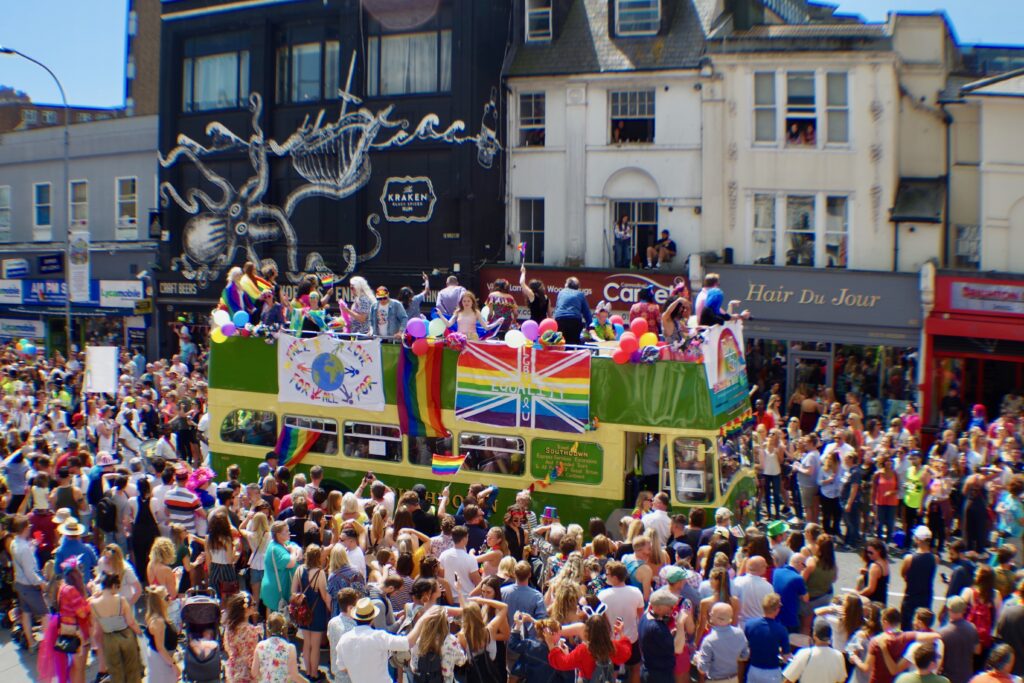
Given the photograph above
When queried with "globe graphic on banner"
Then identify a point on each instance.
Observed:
(328, 372)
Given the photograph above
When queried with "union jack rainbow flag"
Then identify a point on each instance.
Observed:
(506, 387)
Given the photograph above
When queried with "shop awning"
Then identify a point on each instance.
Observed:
(857, 332)
(919, 200)
(978, 327)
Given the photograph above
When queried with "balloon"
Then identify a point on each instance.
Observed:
(635, 356)
(628, 342)
(619, 330)
(420, 347)
(23, 342)
(216, 336)
(28, 350)
(229, 329)
(416, 328)
(638, 326)
(649, 339)
(515, 339)
(617, 320)
(436, 327)
(531, 330)
(221, 317)
(548, 324)
(244, 332)
(240, 318)
(621, 356)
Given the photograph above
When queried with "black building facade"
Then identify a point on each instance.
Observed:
(340, 137)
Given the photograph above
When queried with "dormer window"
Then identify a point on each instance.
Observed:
(538, 20)
(637, 17)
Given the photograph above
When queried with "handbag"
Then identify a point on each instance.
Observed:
(68, 644)
(298, 606)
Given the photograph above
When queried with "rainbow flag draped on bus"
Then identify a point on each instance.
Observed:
(293, 443)
(419, 392)
(536, 388)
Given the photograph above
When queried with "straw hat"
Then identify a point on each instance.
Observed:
(366, 610)
(63, 515)
(72, 527)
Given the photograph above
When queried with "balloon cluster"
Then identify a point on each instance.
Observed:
(531, 332)
(225, 325)
(26, 348)
(422, 333)
(638, 344)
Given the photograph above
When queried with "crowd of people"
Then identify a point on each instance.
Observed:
(109, 559)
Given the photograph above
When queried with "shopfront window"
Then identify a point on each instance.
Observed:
(694, 471)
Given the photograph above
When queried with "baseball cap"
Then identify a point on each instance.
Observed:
(382, 292)
(922, 533)
(672, 574)
(664, 598)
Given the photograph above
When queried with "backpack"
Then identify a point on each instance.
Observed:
(106, 515)
(980, 614)
(428, 669)
(480, 669)
(604, 672)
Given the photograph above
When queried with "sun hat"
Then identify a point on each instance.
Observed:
(63, 515)
(366, 610)
(71, 527)
(777, 528)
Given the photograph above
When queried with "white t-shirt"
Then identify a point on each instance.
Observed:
(750, 590)
(623, 602)
(458, 564)
(816, 665)
(357, 559)
(659, 521)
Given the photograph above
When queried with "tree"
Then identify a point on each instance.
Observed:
(9, 94)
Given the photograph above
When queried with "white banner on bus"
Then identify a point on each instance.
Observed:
(101, 369)
(324, 371)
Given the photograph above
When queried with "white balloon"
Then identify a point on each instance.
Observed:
(221, 317)
(515, 339)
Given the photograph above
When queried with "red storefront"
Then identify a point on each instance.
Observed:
(974, 340)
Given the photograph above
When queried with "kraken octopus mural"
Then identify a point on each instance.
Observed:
(333, 158)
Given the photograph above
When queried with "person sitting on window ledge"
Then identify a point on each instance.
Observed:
(662, 251)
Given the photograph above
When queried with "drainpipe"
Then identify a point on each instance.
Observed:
(896, 247)
(947, 119)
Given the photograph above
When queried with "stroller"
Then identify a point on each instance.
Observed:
(200, 616)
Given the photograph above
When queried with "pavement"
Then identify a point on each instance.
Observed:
(18, 666)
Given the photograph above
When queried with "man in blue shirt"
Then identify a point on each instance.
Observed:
(789, 584)
(522, 597)
(572, 313)
(768, 640)
(71, 545)
(657, 645)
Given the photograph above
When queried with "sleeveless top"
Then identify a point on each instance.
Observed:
(170, 637)
(886, 490)
(881, 592)
(539, 308)
(820, 581)
(115, 623)
(913, 489)
(64, 497)
(920, 576)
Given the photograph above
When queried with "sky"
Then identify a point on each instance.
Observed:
(83, 41)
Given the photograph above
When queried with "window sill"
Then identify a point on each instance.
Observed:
(802, 149)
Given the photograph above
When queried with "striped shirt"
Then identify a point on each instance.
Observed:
(181, 506)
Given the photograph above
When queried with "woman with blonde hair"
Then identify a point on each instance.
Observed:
(112, 561)
(497, 548)
(161, 667)
(720, 592)
(256, 530)
(479, 637)
(362, 304)
(275, 659)
(437, 647)
(280, 561)
(378, 527)
(342, 575)
(563, 601)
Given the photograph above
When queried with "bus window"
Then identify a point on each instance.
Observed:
(733, 455)
(423, 448)
(489, 453)
(250, 427)
(694, 470)
(372, 441)
(327, 442)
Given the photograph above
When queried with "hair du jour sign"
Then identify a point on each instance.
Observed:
(621, 290)
(408, 200)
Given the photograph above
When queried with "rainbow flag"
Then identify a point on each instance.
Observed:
(522, 251)
(234, 298)
(328, 280)
(446, 465)
(419, 392)
(536, 388)
(262, 284)
(293, 443)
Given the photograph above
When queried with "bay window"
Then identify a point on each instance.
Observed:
(409, 63)
(814, 231)
(808, 120)
(764, 107)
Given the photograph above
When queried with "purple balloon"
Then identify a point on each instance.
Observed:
(416, 328)
(635, 356)
(229, 329)
(531, 330)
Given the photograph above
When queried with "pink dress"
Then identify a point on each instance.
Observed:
(240, 644)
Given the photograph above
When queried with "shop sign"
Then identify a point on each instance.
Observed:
(408, 199)
(580, 462)
(14, 267)
(179, 289)
(50, 264)
(45, 292)
(143, 307)
(10, 292)
(120, 293)
(989, 297)
(824, 295)
(621, 290)
(12, 328)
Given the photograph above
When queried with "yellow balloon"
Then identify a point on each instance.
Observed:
(216, 336)
(648, 339)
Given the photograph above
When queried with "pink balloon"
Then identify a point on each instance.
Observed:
(621, 356)
(628, 342)
(531, 330)
(617, 320)
(548, 324)
(638, 326)
(420, 347)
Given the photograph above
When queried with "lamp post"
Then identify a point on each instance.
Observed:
(67, 207)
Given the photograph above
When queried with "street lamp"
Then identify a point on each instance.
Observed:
(67, 208)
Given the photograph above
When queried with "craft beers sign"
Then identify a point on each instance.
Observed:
(408, 199)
